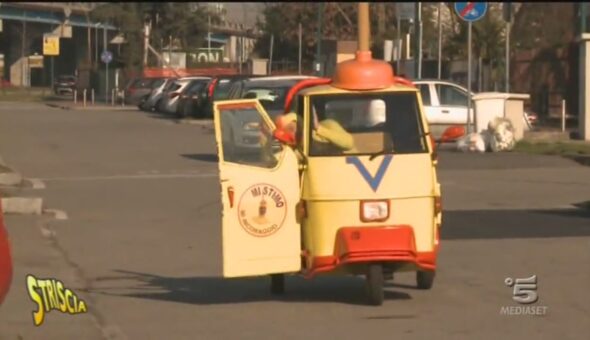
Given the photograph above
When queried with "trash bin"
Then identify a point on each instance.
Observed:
(489, 105)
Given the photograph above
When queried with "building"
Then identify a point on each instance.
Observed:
(24, 25)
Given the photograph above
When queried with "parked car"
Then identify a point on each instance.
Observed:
(139, 88)
(271, 92)
(218, 89)
(64, 84)
(156, 94)
(445, 104)
(191, 98)
(169, 101)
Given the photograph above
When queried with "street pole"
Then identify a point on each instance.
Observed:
(52, 72)
(106, 66)
(419, 40)
(398, 42)
(208, 36)
(272, 39)
(319, 38)
(96, 45)
(507, 57)
(439, 42)
(300, 43)
(469, 78)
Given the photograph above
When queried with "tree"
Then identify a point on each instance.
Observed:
(182, 21)
(339, 21)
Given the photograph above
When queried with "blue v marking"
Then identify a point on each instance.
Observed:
(374, 182)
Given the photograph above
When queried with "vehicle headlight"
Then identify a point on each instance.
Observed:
(252, 126)
(374, 211)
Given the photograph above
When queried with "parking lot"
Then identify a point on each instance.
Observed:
(141, 242)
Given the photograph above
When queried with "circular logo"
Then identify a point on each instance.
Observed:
(262, 210)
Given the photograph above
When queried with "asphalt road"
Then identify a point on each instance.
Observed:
(141, 243)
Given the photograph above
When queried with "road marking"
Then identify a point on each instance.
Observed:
(36, 183)
(57, 214)
(140, 176)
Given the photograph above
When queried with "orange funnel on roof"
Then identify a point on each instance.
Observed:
(363, 72)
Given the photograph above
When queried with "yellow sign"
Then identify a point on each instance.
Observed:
(50, 44)
(36, 61)
(50, 294)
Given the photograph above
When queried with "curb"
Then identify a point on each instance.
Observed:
(10, 178)
(22, 205)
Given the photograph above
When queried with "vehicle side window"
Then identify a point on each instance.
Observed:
(246, 138)
(451, 96)
(425, 93)
(298, 105)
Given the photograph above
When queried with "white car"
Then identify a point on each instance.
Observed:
(445, 104)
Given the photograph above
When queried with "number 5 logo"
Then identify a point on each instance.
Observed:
(525, 290)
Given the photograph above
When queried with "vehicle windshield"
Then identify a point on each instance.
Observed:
(366, 124)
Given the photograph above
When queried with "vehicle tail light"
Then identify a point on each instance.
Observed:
(374, 211)
(174, 94)
(212, 87)
(437, 205)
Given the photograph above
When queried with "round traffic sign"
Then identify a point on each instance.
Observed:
(471, 11)
(106, 57)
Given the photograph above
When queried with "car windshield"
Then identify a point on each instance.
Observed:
(366, 124)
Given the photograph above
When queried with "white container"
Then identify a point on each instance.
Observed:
(489, 105)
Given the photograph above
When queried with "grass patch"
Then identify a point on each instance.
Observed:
(571, 148)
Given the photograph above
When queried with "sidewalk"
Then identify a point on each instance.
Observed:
(89, 106)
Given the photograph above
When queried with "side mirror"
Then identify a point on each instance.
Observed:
(284, 136)
(452, 133)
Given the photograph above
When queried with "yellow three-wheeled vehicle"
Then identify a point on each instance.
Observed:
(344, 183)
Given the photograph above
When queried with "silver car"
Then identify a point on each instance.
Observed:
(169, 100)
(156, 95)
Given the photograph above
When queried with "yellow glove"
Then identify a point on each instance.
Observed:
(330, 131)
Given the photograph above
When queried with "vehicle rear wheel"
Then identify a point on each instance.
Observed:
(374, 285)
(425, 279)
(277, 284)
(157, 105)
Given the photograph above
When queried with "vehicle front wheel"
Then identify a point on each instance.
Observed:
(277, 284)
(374, 285)
(425, 279)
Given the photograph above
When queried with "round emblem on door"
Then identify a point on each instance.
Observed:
(262, 210)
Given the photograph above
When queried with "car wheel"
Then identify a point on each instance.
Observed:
(374, 285)
(277, 284)
(425, 279)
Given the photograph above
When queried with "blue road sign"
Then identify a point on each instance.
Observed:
(106, 57)
(471, 11)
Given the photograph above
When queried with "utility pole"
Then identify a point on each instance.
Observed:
(439, 41)
(208, 36)
(300, 47)
(399, 39)
(418, 41)
(146, 42)
(507, 14)
(319, 69)
(106, 65)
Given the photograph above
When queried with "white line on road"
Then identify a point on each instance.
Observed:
(141, 176)
(36, 183)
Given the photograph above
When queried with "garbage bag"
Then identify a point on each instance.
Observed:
(502, 135)
(473, 142)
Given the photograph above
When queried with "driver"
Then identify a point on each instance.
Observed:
(329, 134)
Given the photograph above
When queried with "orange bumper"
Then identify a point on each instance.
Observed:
(379, 244)
(5, 260)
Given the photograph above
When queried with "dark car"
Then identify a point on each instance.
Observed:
(190, 101)
(218, 89)
(64, 84)
(270, 91)
(139, 89)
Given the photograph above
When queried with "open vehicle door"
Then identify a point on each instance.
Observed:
(259, 193)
